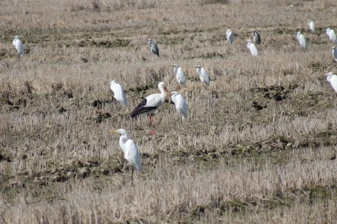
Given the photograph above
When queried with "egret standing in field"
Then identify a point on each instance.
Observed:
(312, 26)
(154, 47)
(180, 75)
(130, 150)
(332, 78)
(229, 36)
(251, 46)
(18, 46)
(151, 103)
(334, 53)
(181, 105)
(203, 75)
(331, 34)
(256, 37)
(301, 40)
(118, 91)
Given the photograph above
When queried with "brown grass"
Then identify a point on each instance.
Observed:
(259, 143)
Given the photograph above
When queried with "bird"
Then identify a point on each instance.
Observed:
(180, 75)
(312, 26)
(229, 36)
(151, 103)
(256, 37)
(154, 47)
(180, 104)
(334, 53)
(118, 91)
(301, 40)
(18, 46)
(203, 75)
(130, 150)
(332, 78)
(251, 46)
(331, 34)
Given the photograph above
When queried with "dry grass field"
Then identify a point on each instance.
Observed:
(259, 145)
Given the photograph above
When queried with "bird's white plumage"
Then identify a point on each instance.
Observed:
(301, 40)
(157, 99)
(251, 46)
(334, 53)
(203, 75)
(18, 46)
(118, 91)
(312, 25)
(229, 36)
(131, 152)
(180, 75)
(180, 104)
(331, 34)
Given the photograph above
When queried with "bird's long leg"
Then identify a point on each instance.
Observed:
(181, 119)
(150, 123)
(132, 175)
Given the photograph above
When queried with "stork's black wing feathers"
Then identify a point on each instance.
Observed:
(140, 109)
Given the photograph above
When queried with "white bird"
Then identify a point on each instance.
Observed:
(203, 75)
(331, 34)
(301, 40)
(334, 53)
(151, 103)
(251, 46)
(118, 91)
(154, 47)
(312, 25)
(181, 105)
(332, 78)
(18, 46)
(256, 37)
(229, 36)
(130, 150)
(180, 75)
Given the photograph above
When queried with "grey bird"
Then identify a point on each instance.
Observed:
(256, 37)
(154, 47)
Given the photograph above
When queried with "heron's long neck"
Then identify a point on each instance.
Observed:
(122, 141)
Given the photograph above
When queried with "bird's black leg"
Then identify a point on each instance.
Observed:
(132, 175)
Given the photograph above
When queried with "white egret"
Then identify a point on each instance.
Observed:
(118, 91)
(18, 46)
(331, 34)
(256, 37)
(203, 75)
(181, 105)
(301, 40)
(151, 103)
(312, 25)
(334, 53)
(332, 78)
(154, 47)
(130, 150)
(180, 75)
(251, 46)
(229, 36)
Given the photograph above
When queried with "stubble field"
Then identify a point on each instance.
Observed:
(258, 145)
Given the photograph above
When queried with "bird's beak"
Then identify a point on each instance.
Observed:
(167, 90)
(113, 131)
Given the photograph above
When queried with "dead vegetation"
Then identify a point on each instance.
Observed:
(259, 143)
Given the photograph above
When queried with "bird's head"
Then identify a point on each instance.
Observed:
(174, 93)
(113, 82)
(175, 65)
(198, 66)
(333, 47)
(162, 85)
(249, 40)
(120, 131)
(16, 37)
(327, 29)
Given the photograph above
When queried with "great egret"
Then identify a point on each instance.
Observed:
(152, 102)
(312, 25)
(118, 91)
(332, 78)
(331, 34)
(154, 47)
(256, 37)
(203, 75)
(18, 46)
(251, 46)
(229, 36)
(334, 53)
(301, 40)
(180, 75)
(181, 105)
(130, 150)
